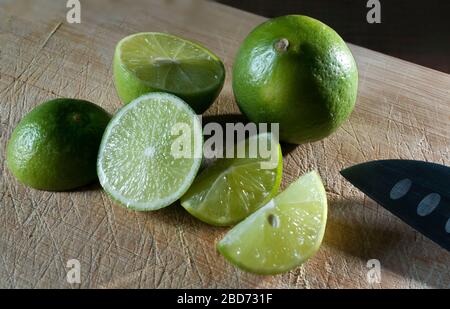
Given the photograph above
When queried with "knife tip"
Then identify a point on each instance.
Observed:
(344, 172)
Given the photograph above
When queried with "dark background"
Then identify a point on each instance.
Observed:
(417, 31)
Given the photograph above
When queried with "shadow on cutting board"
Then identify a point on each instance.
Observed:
(356, 228)
(223, 119)
(361, 235)
(196, 243)
(94, 186)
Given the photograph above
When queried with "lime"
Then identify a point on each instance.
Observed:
(54, 147)
(153, 62)
(298, 72)
(232, 188)
(150, 152)
(282, 234)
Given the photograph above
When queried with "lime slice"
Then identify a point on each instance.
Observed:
(231, 189)
(150, 152)
(149, 62)
(282, 234)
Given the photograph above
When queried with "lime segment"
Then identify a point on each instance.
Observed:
(148, 62)
(137, 164)
(232, 188)
(282, 234)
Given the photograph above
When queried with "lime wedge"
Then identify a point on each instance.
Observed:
(231, 189)
(140, 163)
(153, 62)
(282, 234)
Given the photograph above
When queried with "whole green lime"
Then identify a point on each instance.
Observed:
(298, 72)
(55, 146)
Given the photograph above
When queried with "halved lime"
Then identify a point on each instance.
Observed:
(282, 234)
(150, 152)
(152, 62)
(232, 188)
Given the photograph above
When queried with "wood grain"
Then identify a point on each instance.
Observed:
(403, 111)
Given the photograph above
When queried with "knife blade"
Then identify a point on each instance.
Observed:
(417, 192)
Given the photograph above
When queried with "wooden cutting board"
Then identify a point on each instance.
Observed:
(403, 111)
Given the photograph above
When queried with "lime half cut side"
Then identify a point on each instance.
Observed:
(233, 188)
(151, 152)
(159, 62)
(284, 233)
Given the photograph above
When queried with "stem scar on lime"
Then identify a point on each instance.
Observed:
(282, 45)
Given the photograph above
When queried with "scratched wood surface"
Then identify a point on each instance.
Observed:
(403, 111)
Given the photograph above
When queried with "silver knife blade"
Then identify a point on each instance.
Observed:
(417, 192)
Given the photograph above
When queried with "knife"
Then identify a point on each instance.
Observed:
(415, 191)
